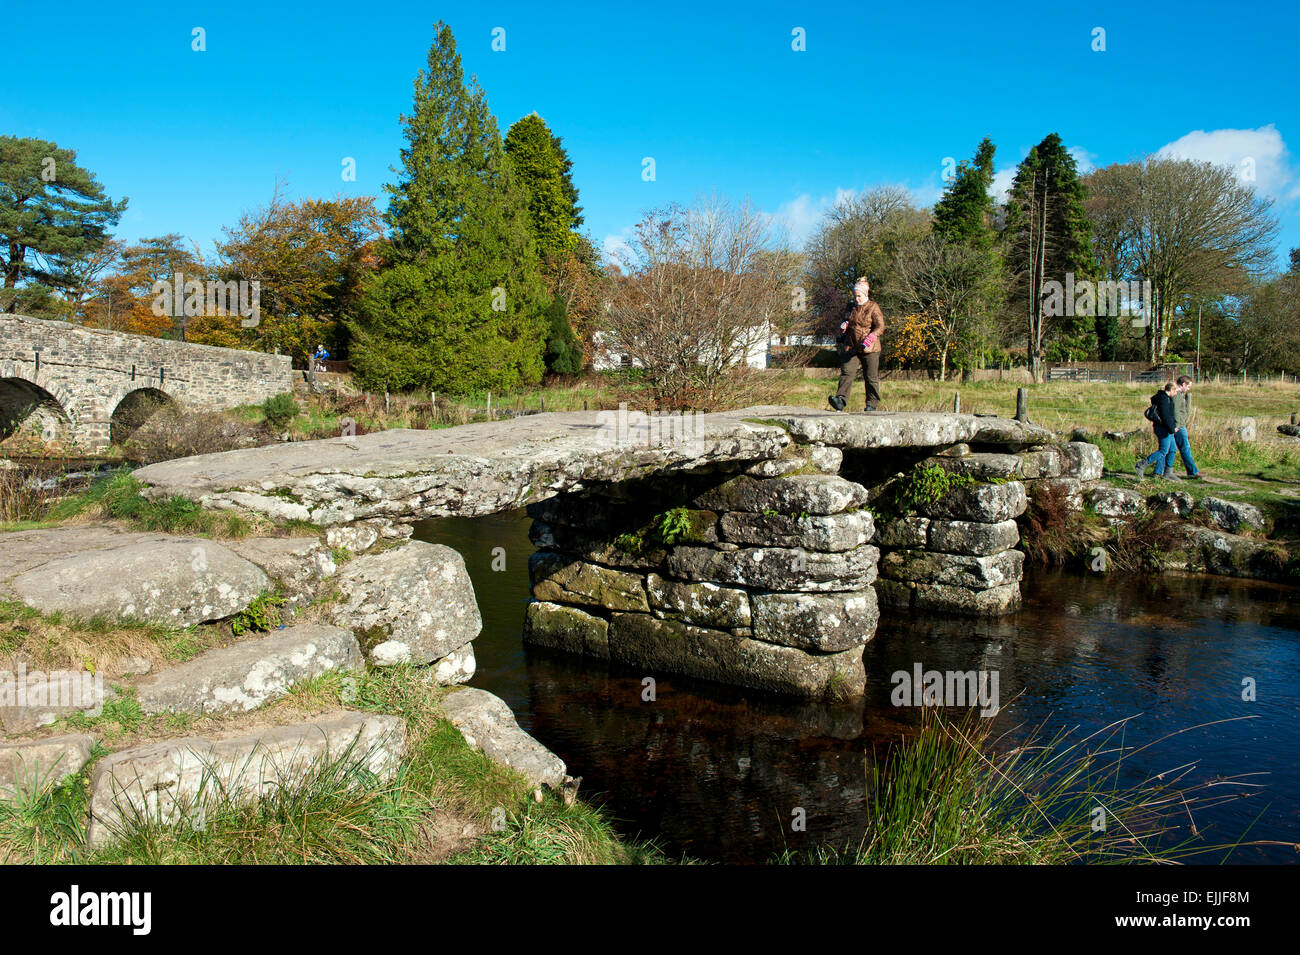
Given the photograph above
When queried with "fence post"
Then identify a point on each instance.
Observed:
(489, 405)
(956, 402)
(1022, 404)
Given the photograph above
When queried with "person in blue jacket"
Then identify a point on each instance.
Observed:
(1164, 423)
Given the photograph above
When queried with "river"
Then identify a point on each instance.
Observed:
(721, 774)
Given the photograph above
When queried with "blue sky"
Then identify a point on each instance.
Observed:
(714, 93)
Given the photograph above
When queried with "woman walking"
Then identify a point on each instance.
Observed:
(860, 347)
(1165, 425)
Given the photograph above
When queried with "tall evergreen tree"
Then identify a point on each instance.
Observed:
(965, 212)
(1046, 235)
(458, 303)
(540, 163)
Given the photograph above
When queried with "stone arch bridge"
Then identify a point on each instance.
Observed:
(72, 384)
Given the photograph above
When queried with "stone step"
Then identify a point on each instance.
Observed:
(490, 727)
(173, 581)
(30, 699)
(245, 675)
(179, 780)
(27, 768)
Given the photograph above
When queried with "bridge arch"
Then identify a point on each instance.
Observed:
(38, 407)
(130, 408)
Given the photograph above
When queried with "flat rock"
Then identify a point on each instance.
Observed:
(822, 622)
(964, 602)
(704, 604)
(30, 699)
(986, 503)
(947, 599)
(413, 603)
(28, 768)
(30, 549)
(466, 471)
(971, 537)
(798, 494)
(490, 727)
(981, 466)
(777, 568)
(557, 578)
(174, 581)
(823, 532)
(976, 573)
(245, 675)
(639, 640)
(175, 781)
(561, 627)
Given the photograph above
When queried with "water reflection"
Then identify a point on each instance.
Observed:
(721, 773)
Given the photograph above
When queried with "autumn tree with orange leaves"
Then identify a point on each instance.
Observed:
(309, 257)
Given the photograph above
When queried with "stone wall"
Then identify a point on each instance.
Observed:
(766, 581)
(958, 554)
(86, 373)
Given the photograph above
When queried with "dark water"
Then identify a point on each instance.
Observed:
(720, 773)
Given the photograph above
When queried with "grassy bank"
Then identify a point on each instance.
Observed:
(448, 803)
(955, 795)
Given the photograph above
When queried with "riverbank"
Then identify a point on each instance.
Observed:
(315, 578)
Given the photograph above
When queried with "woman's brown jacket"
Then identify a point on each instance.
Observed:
(865, 320)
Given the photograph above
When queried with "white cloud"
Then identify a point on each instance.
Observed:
(800, 216)
(1084, 161)
(1258, 153)
(1002, 180)
(614, 246)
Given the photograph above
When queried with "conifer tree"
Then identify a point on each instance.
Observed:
(458, 303)
(1046, 235)
(965, 213)
(552, 201)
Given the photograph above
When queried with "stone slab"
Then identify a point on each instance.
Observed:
(489, 726)
(178, 780)
(243, 676)
(670, 647)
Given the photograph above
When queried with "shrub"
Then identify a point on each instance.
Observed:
(279, 411)
(169, 435)
(262, 614)
(922, 486)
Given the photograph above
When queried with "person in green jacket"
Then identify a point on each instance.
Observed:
(1182, 411)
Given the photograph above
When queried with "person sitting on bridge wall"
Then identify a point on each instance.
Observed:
(859, 345)
(1182, 411)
